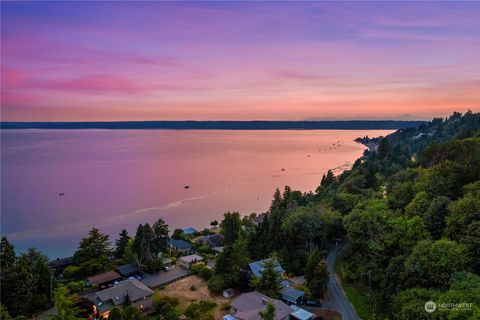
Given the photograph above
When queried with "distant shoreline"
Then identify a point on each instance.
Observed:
(220, 125)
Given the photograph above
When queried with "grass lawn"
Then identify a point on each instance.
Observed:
(359, 300)
(181, 289)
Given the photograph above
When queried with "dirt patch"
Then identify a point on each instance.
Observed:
(181, 290)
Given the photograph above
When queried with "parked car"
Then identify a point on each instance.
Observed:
(313, 303)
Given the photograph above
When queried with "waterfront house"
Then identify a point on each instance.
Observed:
(292, 296)
(103, 279)
(140, 296)
(248, 305)
(187, 261)
(189, 231)
(180, 246)
(256, 268)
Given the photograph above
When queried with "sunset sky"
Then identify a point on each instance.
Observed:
(230, 60)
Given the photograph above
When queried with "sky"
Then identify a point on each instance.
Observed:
(106, 61)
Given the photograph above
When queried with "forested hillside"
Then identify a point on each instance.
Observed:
(410, 211)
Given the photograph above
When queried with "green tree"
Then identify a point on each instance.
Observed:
(313, 260)
(132, 313)
(269, 282)
(431, 264)
(115, 314)
(66, 304)
(231, 227)
(121, 244)
(268, 313)
(166, 306)
(160, 236)
(178, 234)
(95, 246)
(318, 283)
(214, 224)
(201, 310)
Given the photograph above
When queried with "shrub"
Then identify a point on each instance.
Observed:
(216, 284)
(193, 288)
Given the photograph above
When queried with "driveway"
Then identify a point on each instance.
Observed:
(336, 298)
(163, 278)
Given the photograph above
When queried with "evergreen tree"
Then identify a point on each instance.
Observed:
(121, 244)
(231, 227)
(318, 282)
(268, 313)
(160, 237)
(94, 247)
(115, 314)
(269, 282)
(65, 304)
(277, 200)
(313, 260)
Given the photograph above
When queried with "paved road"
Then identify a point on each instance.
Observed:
(336, 298)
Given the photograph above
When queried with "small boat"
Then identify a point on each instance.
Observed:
(283, 169)
(61, 194)
(186, 187)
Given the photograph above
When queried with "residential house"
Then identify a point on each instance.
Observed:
(103, 279)
(256, 268)
(140, 296)
(292, 296)
(248, 305)
(180, 246)
(187, 261)
(189, 231)
(128, 270)
(214, 241)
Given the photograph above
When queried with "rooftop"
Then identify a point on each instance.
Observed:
(258, 266)
(103, 277)
(191, 258)
(301, 314)
(114, 296)
(248, 305)
(179, 244)
(291, 293)
(189, 230)
(127, 269)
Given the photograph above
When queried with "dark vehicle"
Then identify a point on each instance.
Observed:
(313, 303)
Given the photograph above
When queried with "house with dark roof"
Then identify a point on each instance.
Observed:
(180, 246)
(214, 241)
(103, 279)
(127, 270)
(248, 305)
(256, 268)
(140, 296)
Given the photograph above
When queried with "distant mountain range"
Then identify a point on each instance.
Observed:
(220, 125)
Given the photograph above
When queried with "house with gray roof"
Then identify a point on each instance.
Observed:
(248, 305)
(139, 295)
(256, 268)
(292, 296)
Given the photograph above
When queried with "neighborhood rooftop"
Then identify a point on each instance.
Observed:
(114, 296)
(189, 230)
(258, 266)
(180, 244)
(248, 305)
(103, 278)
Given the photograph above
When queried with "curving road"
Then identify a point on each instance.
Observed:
(336, 298)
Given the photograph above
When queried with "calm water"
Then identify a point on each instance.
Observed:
(118, 179)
